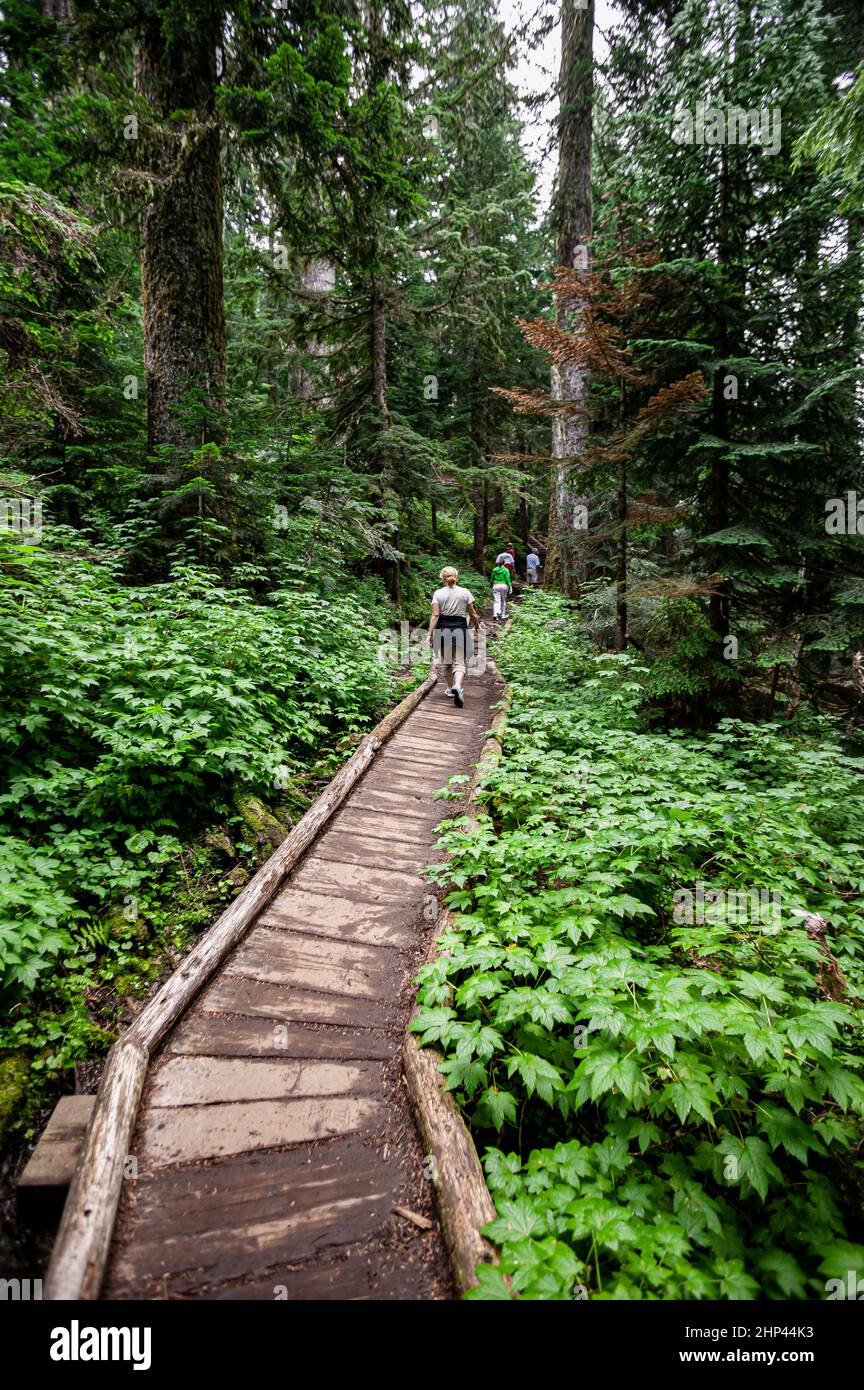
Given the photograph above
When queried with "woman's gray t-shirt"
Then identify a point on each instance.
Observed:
(453, 603)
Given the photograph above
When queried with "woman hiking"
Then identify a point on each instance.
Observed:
(502, 588)
(448, 631)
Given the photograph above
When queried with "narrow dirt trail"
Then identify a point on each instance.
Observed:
(275, 1136)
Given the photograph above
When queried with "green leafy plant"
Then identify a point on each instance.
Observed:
(679, 1100)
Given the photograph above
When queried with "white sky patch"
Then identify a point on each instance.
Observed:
(536, 73)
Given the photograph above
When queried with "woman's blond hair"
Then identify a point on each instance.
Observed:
(447, 571)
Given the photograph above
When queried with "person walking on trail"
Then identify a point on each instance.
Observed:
(533, 563)
(502, 588)
(452, 606)
(508, 558)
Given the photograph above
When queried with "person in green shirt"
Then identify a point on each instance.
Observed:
(502, 588)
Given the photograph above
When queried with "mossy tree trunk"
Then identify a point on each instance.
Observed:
(181, 225)
(565, 563)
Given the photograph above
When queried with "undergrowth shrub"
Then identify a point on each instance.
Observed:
(131, 718)
(669, 1103)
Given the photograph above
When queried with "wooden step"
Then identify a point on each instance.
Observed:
(42, 1187)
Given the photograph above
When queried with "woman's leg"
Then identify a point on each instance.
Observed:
(445, 669)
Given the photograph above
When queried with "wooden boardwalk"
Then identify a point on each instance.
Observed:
(275, 1137)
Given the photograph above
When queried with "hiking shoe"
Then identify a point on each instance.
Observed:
(457, 696)
(449, 693)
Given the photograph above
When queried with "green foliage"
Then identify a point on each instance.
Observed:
(131, 716)
(686, 667)
(677, 1098)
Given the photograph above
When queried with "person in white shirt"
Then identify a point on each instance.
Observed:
(452, 605)
(533, 563)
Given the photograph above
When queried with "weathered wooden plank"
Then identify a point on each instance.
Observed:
(315, 962)
(373, 853)
(419, 759)
(400, 779)
(293, 945)
(375, 884)
(255, 999)
(209, 1036)
(215, 1080)
(192, 1133)
(201, 1226)
(414, 806)
(324, 914)
(52, 1163)
(387, 845)
(420, 744)
(353, 1279)
(387, 825)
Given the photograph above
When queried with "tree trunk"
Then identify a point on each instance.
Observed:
(480, 490)
(621, 574)
(181, 229)
(718, 480)
(479, 555)
(571, 215)
(524, 525)
(379, 356)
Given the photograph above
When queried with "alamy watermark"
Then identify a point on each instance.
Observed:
(21, 516)
(844, 516)
(850, 1287)
(407, 646)
(703, 905)
(731, 125)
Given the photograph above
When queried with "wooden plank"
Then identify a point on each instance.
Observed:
(427, 774)
(81, 1248)
(201, 1226)
(373, 852)
(259, 1037)
(413, 809)
(193, 1133)
(388, 843)
(376, 885)
(349, 919)
(358, 1277)
(232, 994)
(314, 962)
(420, 744)
(52, 1163)
(387, 825)
(208, 1080)
(423, 766)
(410, 835)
